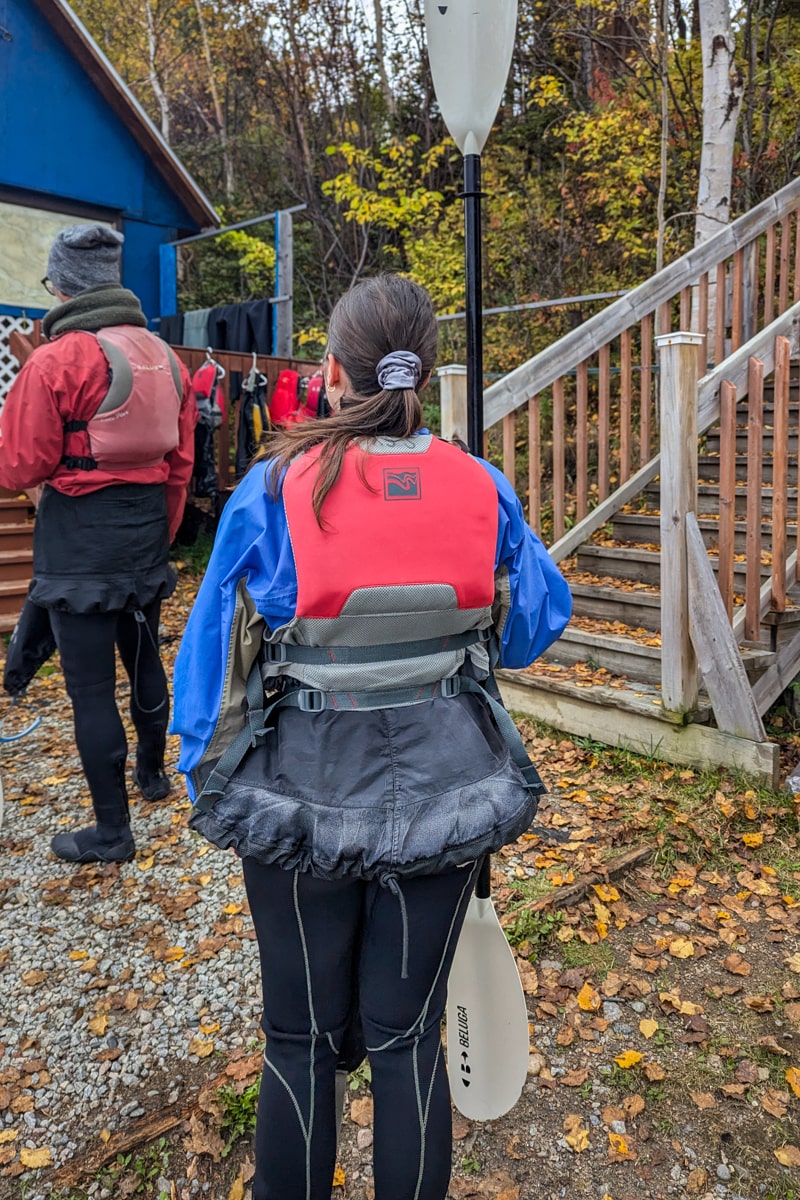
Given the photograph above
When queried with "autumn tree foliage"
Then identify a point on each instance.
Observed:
(330, 104)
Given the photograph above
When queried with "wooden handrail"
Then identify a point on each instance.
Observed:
(527, 380)
(735, 370)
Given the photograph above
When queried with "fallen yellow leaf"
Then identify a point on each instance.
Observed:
(35, 1158)
(588, 999)
(98, 1025)
(681, 948)
(752, 839)
(576, 1137)
(648, 1027)
(338, 1177)
(200, 1047)
(237, 1188)
(788, 1156)
(76, 954)
(8, 1135)
(605, 892)
(628, 1058)
(793, 962)
(703, 1099)
(173, 953)
(793, 1080)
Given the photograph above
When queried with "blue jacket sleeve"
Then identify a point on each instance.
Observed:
(541, 604)
(252, 543)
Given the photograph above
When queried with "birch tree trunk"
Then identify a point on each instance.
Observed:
(152, 70)
(219, 115)
(723, 87)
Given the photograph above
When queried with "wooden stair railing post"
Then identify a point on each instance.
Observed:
(453, 400)
(678, 357)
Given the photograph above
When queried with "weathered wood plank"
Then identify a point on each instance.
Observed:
(755, 424)
(646, 389)
(603, 421)
(780, 471)
(625, 413)
(510, 448)
(594, 713)
(678, 355)
(727, 494)
(559, 457)
(540, 372)
(715, 646)
(534, 463)
(582, 440)
(783, 266)
(769, 276)
(737, 313)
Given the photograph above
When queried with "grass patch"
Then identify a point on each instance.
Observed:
(238, 1113)
(600, 957)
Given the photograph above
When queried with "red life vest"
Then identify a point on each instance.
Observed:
(405, 557)
(136, 424)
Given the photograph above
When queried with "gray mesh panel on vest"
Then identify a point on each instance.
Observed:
(412, 445)
(382, 616)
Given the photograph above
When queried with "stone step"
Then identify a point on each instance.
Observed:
(631, 657)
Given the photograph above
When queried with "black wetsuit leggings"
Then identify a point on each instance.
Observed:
(331, 963)
(86, 643)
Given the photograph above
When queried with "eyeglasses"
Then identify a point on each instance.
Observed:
(47, 285)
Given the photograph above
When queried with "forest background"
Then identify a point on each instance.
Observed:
(330, 103)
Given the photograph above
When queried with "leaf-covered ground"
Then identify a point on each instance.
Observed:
(658, 948)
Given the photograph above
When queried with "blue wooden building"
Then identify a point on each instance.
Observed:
(75, 145)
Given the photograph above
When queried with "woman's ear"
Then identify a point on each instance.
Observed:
(332, 372)
(424, 383)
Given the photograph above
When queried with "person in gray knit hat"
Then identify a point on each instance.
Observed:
(85, 256)
(112, 497)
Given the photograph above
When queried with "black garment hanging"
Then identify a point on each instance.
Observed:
(170, 329)
(253, 420)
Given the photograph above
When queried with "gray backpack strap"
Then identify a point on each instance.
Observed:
(121, 384)
(283, 652)
(175, 368)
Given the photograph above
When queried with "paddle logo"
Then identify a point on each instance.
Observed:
(463, 1041)
(402, 485)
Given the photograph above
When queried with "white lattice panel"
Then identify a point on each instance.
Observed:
(8, 364)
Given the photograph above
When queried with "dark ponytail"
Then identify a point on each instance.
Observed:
(374, 318)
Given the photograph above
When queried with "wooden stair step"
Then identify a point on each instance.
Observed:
(629, 656)
(638, 565)
(708, 498)
(15, 564)
(16, 536)
(12, 596)
(646, 527)
(639, 608)
(15, 510)
(708, 468)
(620, 693)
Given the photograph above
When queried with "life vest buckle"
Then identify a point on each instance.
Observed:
(451, 686)
(275, 652)
(309, 700)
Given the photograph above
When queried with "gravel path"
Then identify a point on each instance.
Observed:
(116, 980)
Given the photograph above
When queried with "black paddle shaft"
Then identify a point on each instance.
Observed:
(483, 888)
(474, 280)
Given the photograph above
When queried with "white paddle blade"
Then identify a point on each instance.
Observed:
(487, 1019)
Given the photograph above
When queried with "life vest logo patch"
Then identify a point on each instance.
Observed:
(402, 485)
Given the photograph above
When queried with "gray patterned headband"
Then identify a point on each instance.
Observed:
(400, 369)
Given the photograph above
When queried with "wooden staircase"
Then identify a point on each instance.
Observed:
(683, 566)
(16, 556)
